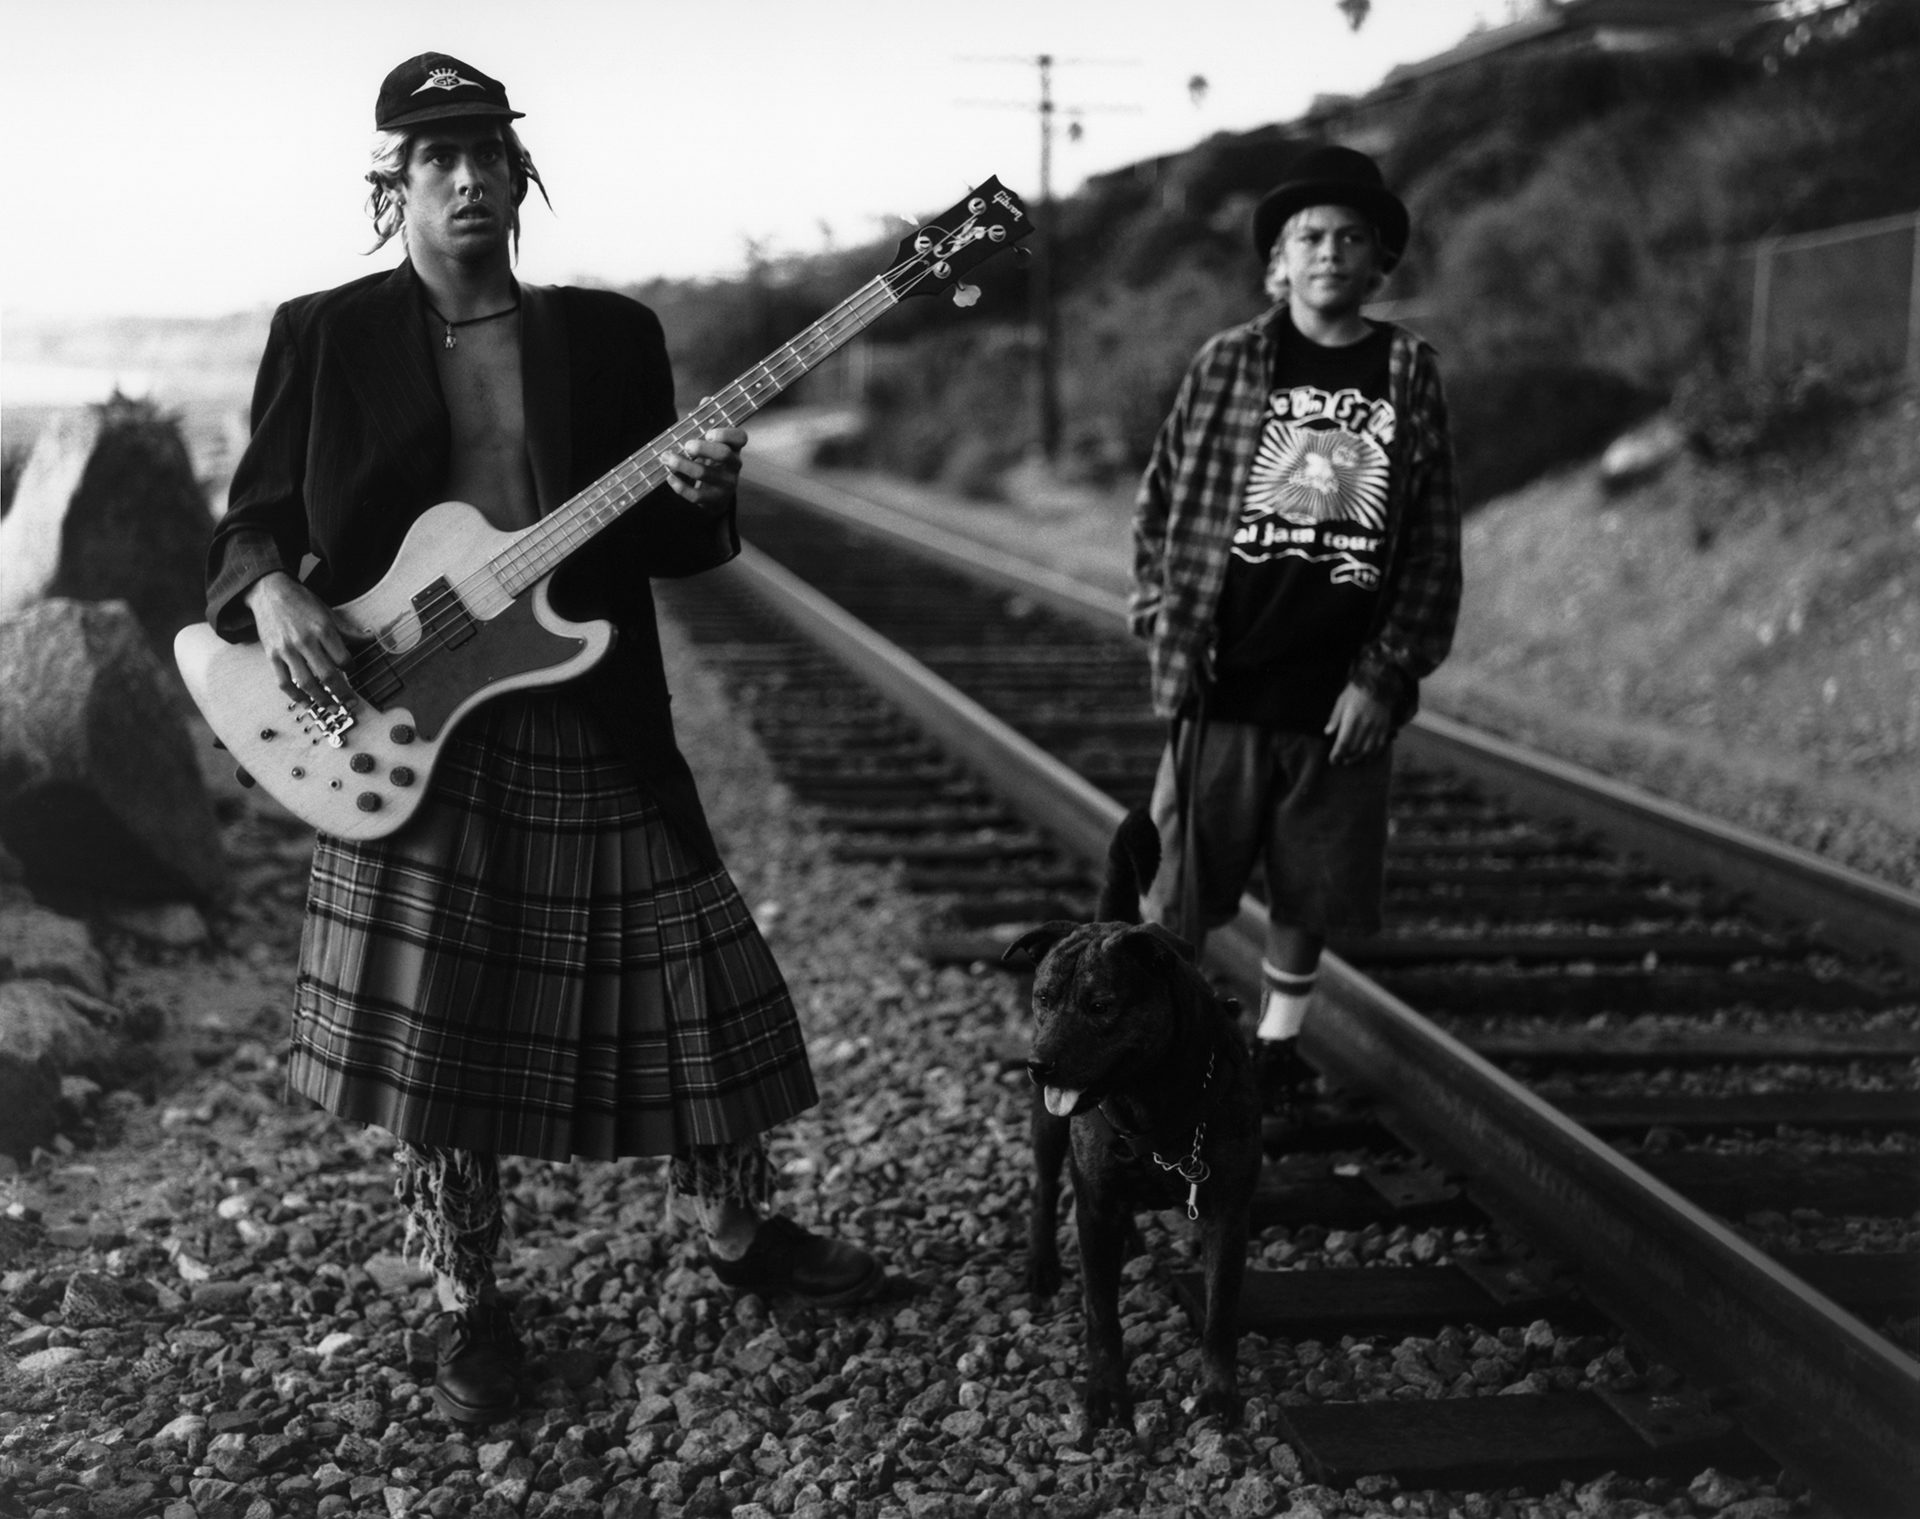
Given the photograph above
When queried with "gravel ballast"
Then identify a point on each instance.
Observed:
(209, 1315)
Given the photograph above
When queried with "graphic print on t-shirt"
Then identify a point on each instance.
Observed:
(1318, 488)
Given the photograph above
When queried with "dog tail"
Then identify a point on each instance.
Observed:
(1133, 859)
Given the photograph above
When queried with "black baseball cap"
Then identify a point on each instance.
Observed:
(435, 86)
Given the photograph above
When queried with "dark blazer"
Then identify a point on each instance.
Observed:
(350, 445)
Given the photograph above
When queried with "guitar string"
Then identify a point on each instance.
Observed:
(587, 514)
(607, 498)
(581, 518)
(566, 519)
(577, 520)
(790, 362)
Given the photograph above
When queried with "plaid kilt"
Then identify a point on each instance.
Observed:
(534, 965)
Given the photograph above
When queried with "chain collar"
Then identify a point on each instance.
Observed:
(1192, 1170)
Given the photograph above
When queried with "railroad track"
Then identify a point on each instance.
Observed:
(1685, 1076)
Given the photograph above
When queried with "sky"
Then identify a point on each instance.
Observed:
(199, 157)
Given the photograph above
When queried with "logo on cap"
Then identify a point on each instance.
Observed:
(446, 79)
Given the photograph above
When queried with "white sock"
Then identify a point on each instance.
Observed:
(1284, 1007)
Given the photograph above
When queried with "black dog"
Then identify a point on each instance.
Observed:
(1139, 1069)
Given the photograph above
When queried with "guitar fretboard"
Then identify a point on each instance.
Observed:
(541, 549)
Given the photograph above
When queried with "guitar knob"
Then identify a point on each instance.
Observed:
(361, 763)
(367, 801)
(401, 775)
(402, 733)
(242, 777)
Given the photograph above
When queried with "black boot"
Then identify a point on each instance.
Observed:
(1284, 1079)
(784, 1258)
(474, 1382)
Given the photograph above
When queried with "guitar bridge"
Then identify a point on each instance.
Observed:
(328, 720)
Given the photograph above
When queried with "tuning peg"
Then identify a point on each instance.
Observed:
(965, 295)
(1023, 255)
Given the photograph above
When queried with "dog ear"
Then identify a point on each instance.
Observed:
(1035, 942)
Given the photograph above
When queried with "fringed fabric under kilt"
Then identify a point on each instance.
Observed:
(535, 966)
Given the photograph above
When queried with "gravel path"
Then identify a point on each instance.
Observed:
(208, 1316)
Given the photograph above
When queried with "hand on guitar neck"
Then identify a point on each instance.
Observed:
(707, 470)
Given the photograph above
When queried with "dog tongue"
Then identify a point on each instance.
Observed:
(1061, 1101)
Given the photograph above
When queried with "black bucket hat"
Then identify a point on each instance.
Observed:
(1330, 175)
(434, 87)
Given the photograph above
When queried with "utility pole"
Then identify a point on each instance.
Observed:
(1046, 328)
(1040, 302)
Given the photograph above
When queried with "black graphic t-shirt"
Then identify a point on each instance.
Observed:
(1311, 540)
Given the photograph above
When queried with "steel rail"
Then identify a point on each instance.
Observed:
(1824, 1394)
(1850, 909)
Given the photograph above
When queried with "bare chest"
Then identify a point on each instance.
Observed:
(486, 407)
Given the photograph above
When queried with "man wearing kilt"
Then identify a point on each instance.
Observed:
(549, 959)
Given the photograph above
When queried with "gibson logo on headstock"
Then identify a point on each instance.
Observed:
(1005, 198)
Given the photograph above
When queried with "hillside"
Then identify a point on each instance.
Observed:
(1580, 254)
(1746, 638)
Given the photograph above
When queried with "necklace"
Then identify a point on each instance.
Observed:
(492, 316)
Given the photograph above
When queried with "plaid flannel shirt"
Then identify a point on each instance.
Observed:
(1191, 494)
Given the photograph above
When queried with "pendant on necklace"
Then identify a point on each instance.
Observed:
(450, 337)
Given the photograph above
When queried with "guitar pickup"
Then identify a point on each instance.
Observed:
(445, 621)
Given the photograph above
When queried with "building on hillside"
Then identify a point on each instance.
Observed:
(1559, 28)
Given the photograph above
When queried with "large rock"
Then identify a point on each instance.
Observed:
(42, 1025)
(108, 509)
(41, 945)
(100, 788)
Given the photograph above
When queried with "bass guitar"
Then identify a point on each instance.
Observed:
(463, 615)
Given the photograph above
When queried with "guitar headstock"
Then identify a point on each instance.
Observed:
(931, 259)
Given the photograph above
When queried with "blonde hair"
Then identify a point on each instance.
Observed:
(1275, 281)
(387, 173)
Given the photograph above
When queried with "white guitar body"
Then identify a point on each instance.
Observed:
(359, 769)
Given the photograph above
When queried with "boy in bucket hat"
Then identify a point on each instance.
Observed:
(1296, 575)
(549, 959)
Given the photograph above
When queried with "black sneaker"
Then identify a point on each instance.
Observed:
(474, 1380)
(1283, 1078)
(784, 1258)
